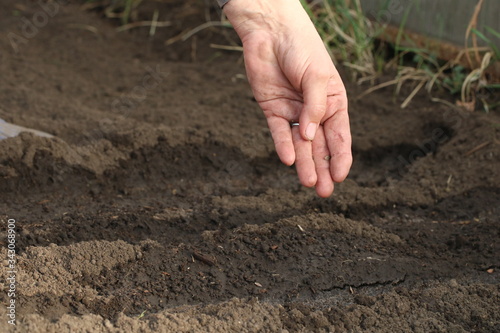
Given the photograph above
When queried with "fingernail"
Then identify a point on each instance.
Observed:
(311, 130)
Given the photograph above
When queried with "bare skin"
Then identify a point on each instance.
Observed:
(294, 80)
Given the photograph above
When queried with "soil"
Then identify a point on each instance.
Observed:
(162, 206)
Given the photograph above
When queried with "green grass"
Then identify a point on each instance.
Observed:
(347, 33)
(351, 37)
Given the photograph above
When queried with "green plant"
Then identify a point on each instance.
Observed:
(454, 81)
(491, 44)
(350, 37)
(347, 33)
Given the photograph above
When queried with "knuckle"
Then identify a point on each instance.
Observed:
(314, 111)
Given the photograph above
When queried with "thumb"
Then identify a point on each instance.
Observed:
(314, 88)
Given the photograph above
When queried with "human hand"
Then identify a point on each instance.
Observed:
(294, 80)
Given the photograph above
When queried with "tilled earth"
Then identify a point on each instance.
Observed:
(162, 206)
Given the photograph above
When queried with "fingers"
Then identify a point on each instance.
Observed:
(292, 148)
(282, 137)
(335, 141)
(321, 155)
(325, 160)
(338, 139)
(314, 89)
(304, 162)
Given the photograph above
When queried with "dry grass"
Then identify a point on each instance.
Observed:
(350, 37)
(347, 33)
(125, 10)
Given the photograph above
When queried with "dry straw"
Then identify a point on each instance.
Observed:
(350, 38)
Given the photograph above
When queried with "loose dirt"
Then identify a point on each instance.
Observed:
(162, 206)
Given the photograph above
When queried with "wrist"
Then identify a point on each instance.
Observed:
(272, 16)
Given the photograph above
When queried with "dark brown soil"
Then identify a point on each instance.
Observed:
(162, 206)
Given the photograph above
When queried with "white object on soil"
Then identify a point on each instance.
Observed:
(8, 130)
